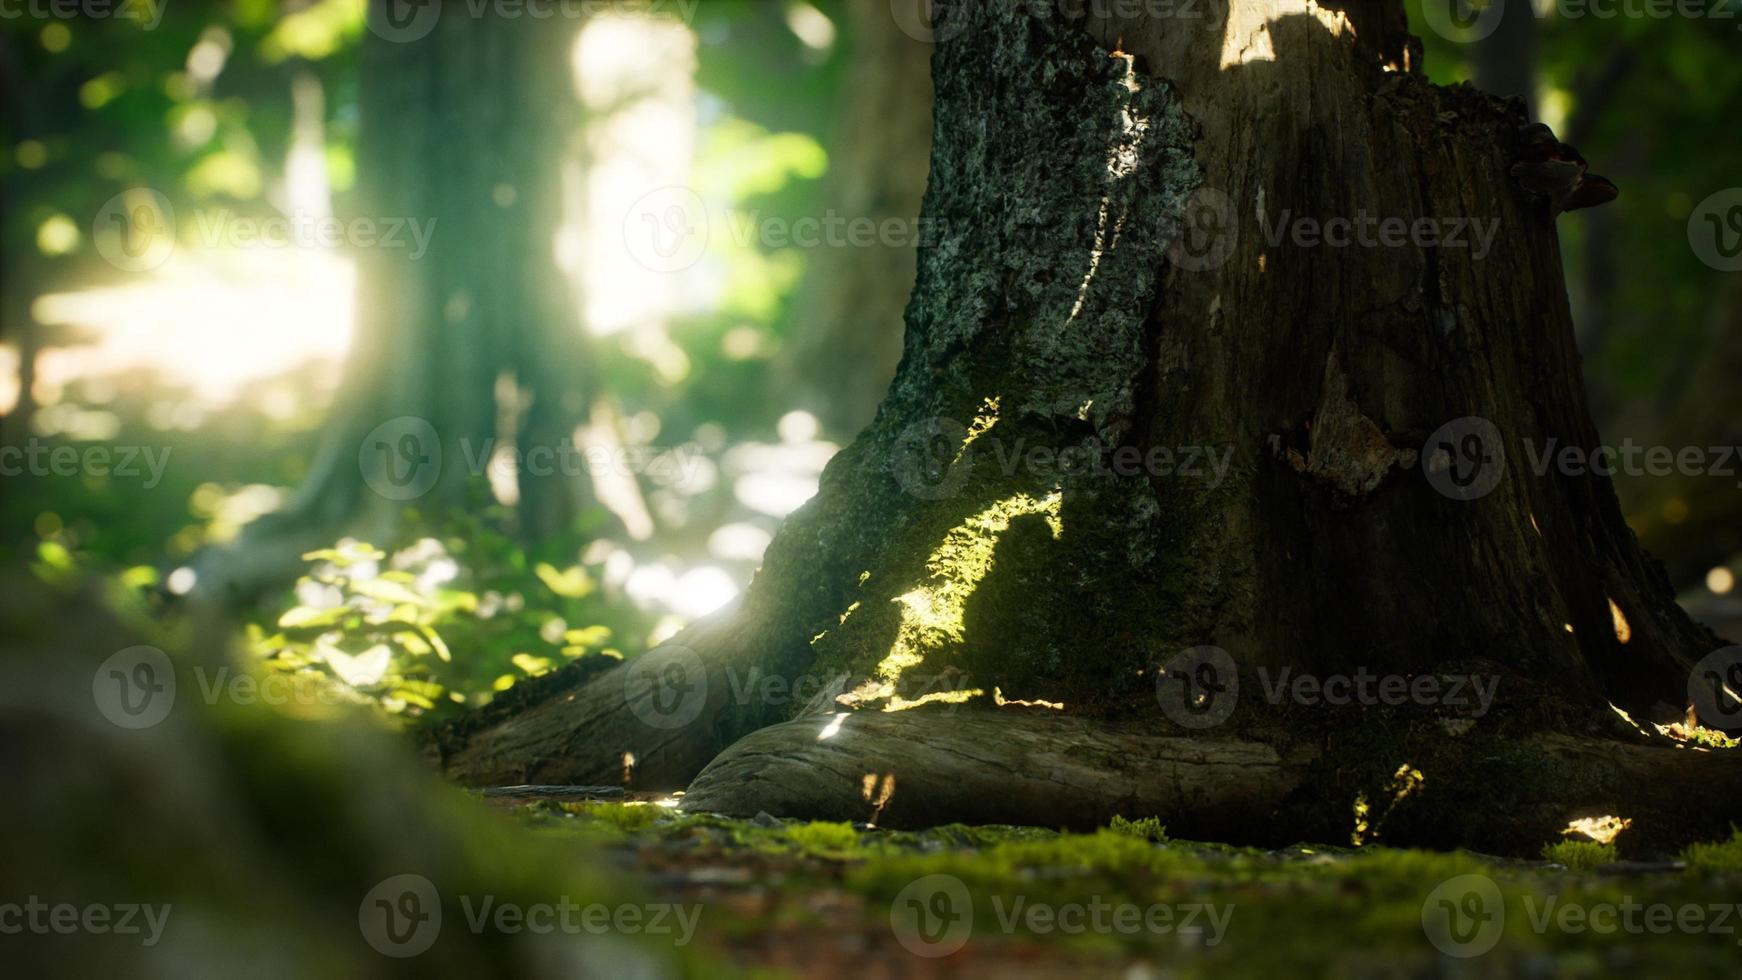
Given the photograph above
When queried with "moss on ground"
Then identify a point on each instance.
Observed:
(803, 896)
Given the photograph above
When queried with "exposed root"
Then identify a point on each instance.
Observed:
(924, 767)
(650, 724)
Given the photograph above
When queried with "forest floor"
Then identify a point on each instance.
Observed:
(780, 897)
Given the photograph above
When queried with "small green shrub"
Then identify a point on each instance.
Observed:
(1148, 828)
(1716, 857)
(1579, 855)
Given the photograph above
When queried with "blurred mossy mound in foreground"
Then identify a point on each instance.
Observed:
(267, 837)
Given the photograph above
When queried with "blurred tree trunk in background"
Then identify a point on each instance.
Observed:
(847, 318)
(1505, 61)
(1703, 407)
(1594, 280)
(475, 343)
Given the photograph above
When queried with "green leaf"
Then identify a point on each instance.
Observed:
(572, 583)
(304, 617)
(386, 591)
(588, 636)
(362, 670)
(532, 665)
(55, 555)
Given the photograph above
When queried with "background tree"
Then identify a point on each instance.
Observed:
(847, 318)
(475, 343)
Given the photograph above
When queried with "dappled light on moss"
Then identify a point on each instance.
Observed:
(931, 615)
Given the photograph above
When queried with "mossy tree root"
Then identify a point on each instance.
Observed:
(923, 767)
(627, 725)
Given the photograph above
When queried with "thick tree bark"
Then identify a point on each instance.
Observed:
(466, 133)
(1107, 277)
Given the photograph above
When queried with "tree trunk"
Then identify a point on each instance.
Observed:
(1105, 280)
(473, 343)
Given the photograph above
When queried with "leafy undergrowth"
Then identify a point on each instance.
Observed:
(804, 898)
